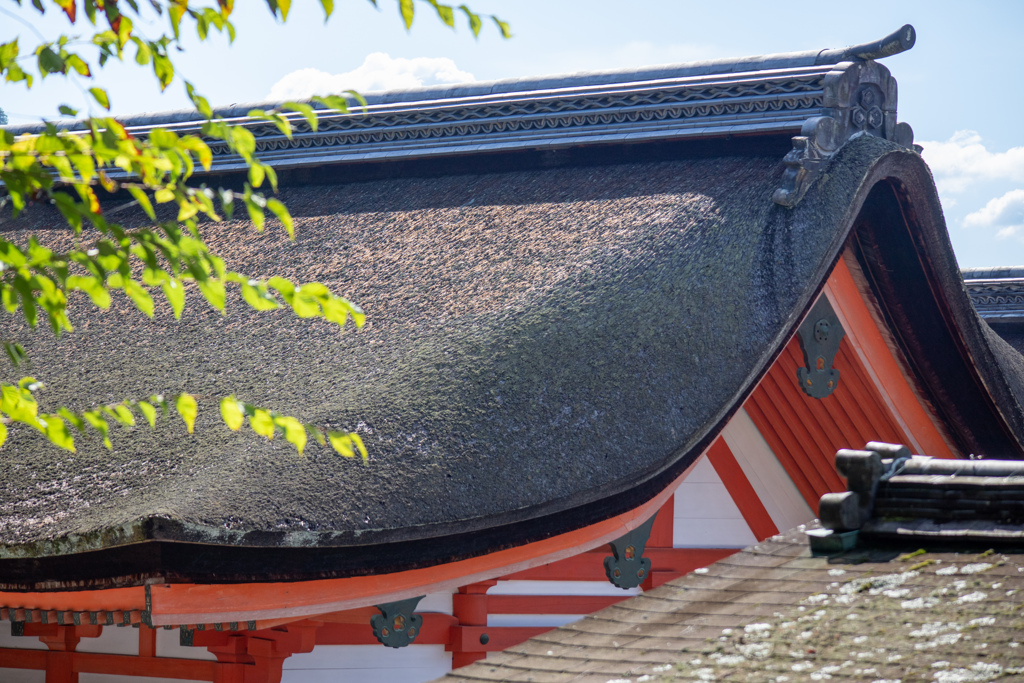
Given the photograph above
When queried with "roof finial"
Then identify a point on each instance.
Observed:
(893, 44)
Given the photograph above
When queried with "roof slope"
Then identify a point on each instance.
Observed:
(773, 612)
(582, 332)
(560, 329)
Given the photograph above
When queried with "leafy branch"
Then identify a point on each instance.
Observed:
(81, 171)
(18, 404)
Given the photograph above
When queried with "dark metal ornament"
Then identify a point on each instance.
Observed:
(627, 567)
(819, 334)
(396, 625)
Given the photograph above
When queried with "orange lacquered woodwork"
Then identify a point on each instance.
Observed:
(740, 490)
(804, 433)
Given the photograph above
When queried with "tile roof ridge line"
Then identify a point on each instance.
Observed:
(898, 41)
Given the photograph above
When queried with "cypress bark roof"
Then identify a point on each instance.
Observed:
(546, 348)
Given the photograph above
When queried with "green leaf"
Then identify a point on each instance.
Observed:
(124, 415)
(174, 290)
(142, 298)
(444, 13)
(281, 211)
(164, 70)
(231, 412)
(214, 292)
(359, 444)
(294, 432)
(256, 213)
(79, 65)
(262, 423)
(100, 95)
(3, 433)
(506, 30)
(332, 102)
(49, 61)
(304, 109)
(95, 419)
(57, 432)
(15, 353)
(258, 297)
(75, 420)
(143, 199)
(342, 443)
(315, 432)
(67, 111)
(407, 10)
(149, 411)
(186, 406)
(243, 141)
(91, 286)
(198, 101)
(256, 173)
(328, 6)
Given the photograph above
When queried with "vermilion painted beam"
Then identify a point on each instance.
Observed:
(122, 599)
(740, 490)
(114, 665)
(11, 658)
(468, 638)
(435, 631)
(589, 566)
(209, 603)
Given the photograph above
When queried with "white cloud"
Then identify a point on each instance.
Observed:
(1005, 213)
(964, 160)
(379, 71)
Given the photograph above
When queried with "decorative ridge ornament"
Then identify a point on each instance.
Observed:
(819, 334)
(860, 99)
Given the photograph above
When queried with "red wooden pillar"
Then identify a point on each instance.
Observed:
(257, 656)
(147, 641)
(232, 658)
(469, 606)
(61, 642)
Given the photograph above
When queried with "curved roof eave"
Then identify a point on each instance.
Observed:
(798, 249)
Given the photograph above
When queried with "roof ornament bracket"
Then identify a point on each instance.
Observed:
(396, 625)
(820, 334)
(859, 99)
(627, 567)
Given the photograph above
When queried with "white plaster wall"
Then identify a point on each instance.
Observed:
(778, 493)
(21, 643)
(114, 640)
(168, 644)
(18, 642)
(704, 514)
(517, 587)
(368, 664)
(22, 676)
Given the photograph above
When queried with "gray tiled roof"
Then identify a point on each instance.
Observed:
(775, 613)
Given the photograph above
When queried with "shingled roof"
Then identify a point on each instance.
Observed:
(774, 612)
(922, 596)
(580, 323)
(998, 294)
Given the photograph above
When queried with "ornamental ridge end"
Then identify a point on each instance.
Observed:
(860, 99)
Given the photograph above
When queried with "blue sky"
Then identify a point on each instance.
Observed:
(959, 87)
